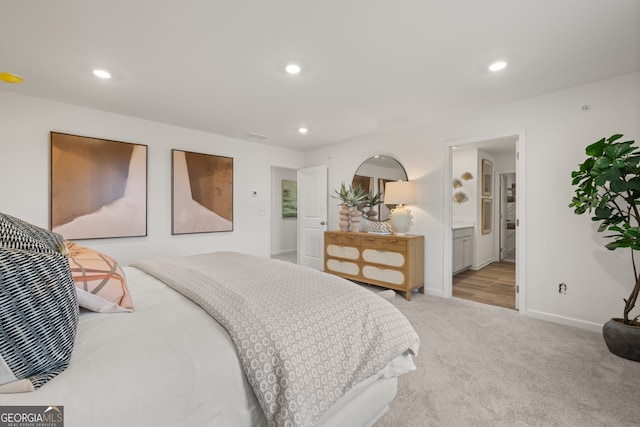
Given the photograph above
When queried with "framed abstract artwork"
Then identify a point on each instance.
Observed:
(98, 187)
(487, 176)
(202, 193)
(289, 199)
(487, 215)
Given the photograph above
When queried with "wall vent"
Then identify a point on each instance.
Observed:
(256, 135)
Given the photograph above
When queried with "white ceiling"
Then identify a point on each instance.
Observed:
(368, 65)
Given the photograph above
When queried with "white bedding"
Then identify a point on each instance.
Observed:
(163, 372)
(152, 367)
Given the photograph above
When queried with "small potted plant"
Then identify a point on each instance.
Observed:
(372, 201)
(349, 198)
(608, 185)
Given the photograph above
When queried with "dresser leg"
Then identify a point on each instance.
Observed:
(408, 295)
(421, 289)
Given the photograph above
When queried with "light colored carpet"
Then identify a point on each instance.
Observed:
(481, 365)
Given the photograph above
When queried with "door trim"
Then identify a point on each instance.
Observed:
(521, 227)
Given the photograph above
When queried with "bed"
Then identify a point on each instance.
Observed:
(170, 362)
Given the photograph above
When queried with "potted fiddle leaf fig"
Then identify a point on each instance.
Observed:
(608, 186)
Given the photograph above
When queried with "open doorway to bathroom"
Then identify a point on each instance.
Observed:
(483, 219)
(283, 214)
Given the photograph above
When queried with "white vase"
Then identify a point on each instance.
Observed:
(354, 217)
(344, 217)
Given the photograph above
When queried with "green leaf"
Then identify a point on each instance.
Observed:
(611, 174)
(634, 183)
(602, 163)
(618, 186)
(619, 150)
(613, 137)
(602, 212)
(619, 164)
(596, 148)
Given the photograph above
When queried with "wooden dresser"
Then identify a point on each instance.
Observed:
(389, 261)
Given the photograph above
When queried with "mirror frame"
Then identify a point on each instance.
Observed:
(371, 183)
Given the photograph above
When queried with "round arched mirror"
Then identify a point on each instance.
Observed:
(372, 175)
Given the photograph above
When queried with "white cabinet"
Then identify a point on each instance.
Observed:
(462, 249)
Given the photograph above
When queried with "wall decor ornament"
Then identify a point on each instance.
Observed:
(202, 193)
(460, 197)
(98, 187)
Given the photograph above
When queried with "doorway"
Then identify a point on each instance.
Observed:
(495, 271)
(283, 223)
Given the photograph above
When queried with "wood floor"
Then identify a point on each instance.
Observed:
(493, 284)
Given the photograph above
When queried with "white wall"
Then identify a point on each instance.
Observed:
(284, 231)
(24, 174)
(561, 247)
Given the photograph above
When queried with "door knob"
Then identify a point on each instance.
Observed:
(322, 223)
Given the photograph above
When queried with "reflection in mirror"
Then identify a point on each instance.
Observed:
(372, 175)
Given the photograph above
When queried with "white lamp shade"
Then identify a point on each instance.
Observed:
(400, 193)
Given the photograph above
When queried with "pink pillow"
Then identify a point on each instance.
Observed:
(100, 282)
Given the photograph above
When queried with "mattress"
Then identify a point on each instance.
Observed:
(152, 367)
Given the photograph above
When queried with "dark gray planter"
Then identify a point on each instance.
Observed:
(622, 340)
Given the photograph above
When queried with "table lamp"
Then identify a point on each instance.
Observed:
(400, 193)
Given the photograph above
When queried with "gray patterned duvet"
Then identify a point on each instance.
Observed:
(304, 337)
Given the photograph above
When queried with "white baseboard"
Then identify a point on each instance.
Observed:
(582, 324)
(283, 252)
(481, 266)
(434, 292)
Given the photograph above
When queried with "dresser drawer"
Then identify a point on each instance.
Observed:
(371, 242)
(351, 240)
(393, 259)
(342, 239)
(341, 251)
(386, 275)
(333, 238)
(343, 267)
(397, 245)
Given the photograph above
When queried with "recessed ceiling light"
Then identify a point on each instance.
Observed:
(293, 68)
(102, 74)
(303, 130)
(497, 66)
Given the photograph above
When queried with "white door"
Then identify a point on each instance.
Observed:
(312, 215)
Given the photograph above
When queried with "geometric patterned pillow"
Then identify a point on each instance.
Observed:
(18, 234)
(38, 317)
(100, 283)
